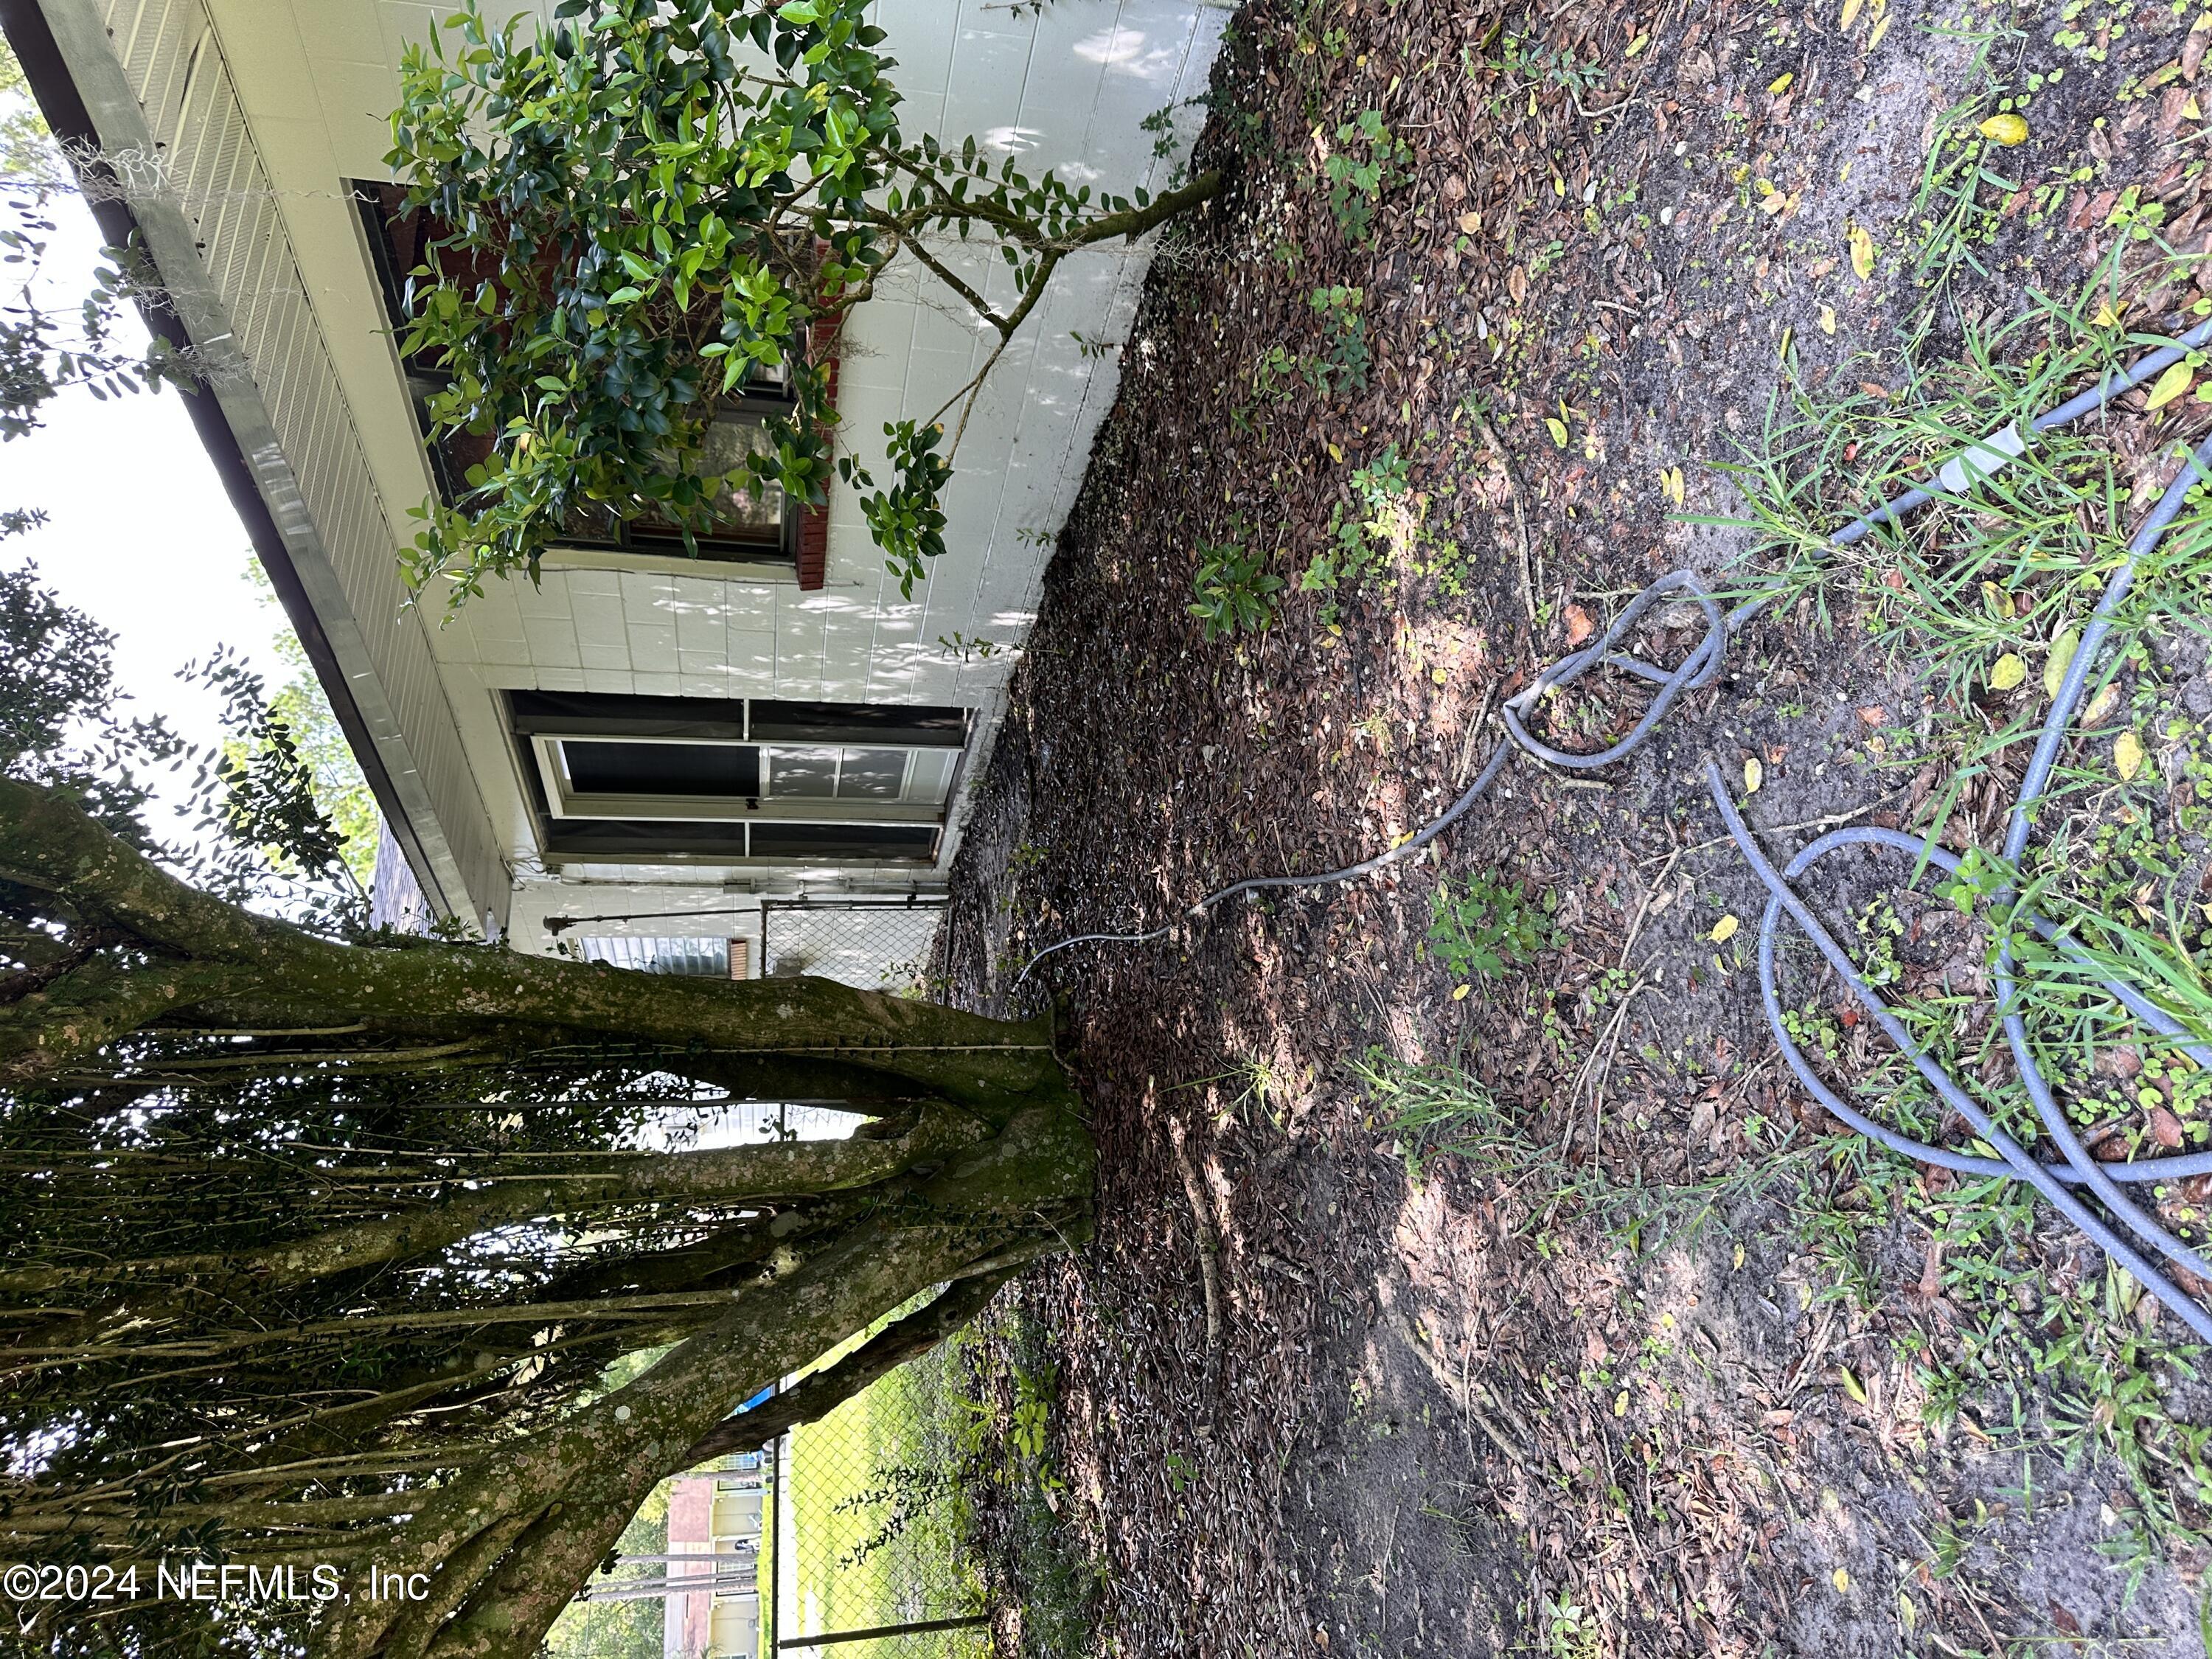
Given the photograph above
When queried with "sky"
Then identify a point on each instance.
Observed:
(140, 535)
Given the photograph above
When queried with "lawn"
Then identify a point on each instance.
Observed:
(868, 1527)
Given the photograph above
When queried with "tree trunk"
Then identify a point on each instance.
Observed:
(330, 1311)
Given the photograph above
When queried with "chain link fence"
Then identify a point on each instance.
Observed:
(871, 1527)
(876, 944)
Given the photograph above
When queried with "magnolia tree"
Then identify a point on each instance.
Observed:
(321, 1244)
(646, 203)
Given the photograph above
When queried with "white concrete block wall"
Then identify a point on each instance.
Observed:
(1067, 87)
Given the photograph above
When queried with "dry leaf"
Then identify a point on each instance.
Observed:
(1827, 320)
(1862, 244)
(2102, 704)
(2009, 672)
(1724, 930)
(2165, 1127)
(1753, 776)
(1850, 14)
(2007, 129)
(2128, 755)
(1579, 625)
(1841, 1580)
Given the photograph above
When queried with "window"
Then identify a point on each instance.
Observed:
(642, 778)
(766, 530)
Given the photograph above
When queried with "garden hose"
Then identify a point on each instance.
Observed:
(2077, 1167)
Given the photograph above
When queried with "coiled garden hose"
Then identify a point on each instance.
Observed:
(2077, 1167)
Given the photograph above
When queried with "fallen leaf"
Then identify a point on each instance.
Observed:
(1458, 993)
(1753, 776)
(1579, 625)
(1780, 84)
(2102, 704)
(2170, 384)
(1850, 14)
(1852, 1386)
(2008, 672)
(1873, 713)
(1873, 35)
(1635, 46)
(2128, 755)
(2060, 659)
(1827, 320)
(1469, 223)
(2105, 317)
(2007, 129)
(1557, 429)
(1670, 484)
(1724, 930)
(2165, 1127)
(1841, 1580)
(1862, 245)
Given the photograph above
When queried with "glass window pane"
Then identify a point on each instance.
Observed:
(802, 773)
(721, 769)
(872, 774)
(931, 780)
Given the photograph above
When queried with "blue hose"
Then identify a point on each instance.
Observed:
(2056, 1181)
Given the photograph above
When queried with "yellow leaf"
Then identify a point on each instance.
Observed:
(2008, 672)
(1458, 993)
(2060, 659)
(1862, 251)
(1620, 1403)
(1724, 930)
(1999, 602)
(2007, 129)
(1781, 83)
(1850, 14)
(1874, 35)
(2190, 111)
(1637, 45)
(1841, 1580)
(1907, 1614)
(2102, 704)
(2105, 317)
(1557, 429)
(1753, 776)
(1827, 320)
(1852, 1386)
(1334, 454)
(1739, 1258)
(2170, 384)
(2128, 755)
(1670, 484)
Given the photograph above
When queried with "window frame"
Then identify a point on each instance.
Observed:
(541, 722)
(763, 399)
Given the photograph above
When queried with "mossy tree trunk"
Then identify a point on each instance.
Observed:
(321, 1251)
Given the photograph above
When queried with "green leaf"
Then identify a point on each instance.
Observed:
(2176, 379)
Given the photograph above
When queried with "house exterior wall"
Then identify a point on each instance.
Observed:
(261, 111)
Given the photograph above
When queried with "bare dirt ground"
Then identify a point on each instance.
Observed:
(1664, 1366)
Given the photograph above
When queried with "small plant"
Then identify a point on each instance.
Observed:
(1368, 160)
(971, 648)
(1383, 491)
(1342, 363)
(1487, 925)
(1236, 592)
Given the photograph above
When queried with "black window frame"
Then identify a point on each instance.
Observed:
(423, 380)
(740, 830)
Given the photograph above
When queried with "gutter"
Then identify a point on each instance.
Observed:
(31, 33)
